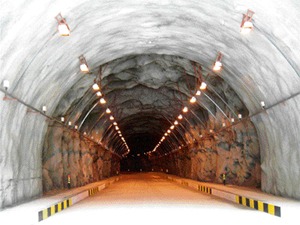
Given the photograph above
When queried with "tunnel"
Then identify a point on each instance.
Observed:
(173, 87)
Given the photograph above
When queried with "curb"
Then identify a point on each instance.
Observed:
(242, 200)
(73, 199)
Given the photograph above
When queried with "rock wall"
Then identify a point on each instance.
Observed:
(234, 150)
(66, 152)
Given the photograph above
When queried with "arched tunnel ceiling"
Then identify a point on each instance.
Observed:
(144, 49)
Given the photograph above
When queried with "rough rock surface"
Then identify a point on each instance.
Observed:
(68, 153)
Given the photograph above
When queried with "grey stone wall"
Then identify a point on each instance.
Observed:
(66, 152)
(234, 150)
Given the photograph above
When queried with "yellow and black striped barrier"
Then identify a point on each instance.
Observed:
(93, 191)
(204, 189)
(259, 205)
(50, 211)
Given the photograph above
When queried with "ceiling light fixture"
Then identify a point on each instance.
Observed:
(115, 123)
(116, 127)
(99, 94)
(193, 100)
(176, 122)
(218, 64)
(83, 65)
(169, 131)
(185, 109)
(62, 119)
(102, 101)
(111, 118)
(247, 25)
(203, 86)
(240, 116)
(180, 117)
(96, 87)
(44, 109)
(262, 103)
(172, 127)
(63, 27)
(108, 111)
(198, 93)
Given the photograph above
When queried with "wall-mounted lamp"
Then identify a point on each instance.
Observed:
(218, 64)
(185, 109)
(76, 127)
(70, 123)
(263, 105)
(63, 27)
(240, 116)
(232, 120)
(223, 124)
(102, 101)
(62, 119)
(203, 86)
(193, 99)
(83, 65)
(247, 25)
(44, 109)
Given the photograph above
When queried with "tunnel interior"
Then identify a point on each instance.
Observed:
(151, 99)
(145, 95)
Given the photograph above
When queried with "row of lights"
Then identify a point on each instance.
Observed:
(64, 30)
(111, 117)
(246, 27)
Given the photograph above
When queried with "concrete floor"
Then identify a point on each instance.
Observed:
(149, 198)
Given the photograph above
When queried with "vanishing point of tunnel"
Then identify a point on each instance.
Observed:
(197, 89)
